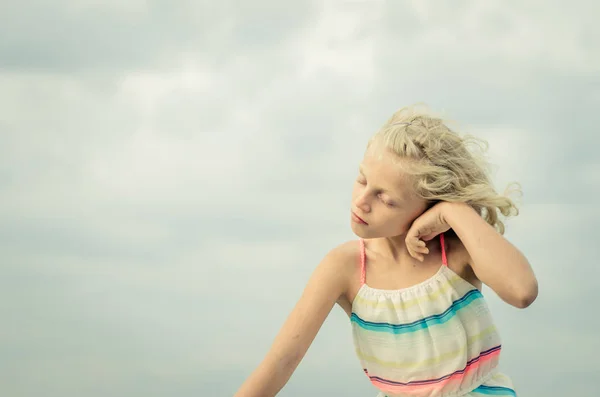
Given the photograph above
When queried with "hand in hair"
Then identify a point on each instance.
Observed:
(425, 228)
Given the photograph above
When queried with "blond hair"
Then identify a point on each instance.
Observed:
(446, 166)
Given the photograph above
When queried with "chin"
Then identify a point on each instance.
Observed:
(361, 232)
(357, 231)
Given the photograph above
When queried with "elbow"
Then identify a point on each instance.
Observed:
(527, 296)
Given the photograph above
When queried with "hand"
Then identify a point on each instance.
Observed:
(427, 226)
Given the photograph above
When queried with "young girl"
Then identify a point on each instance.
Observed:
(426, 214)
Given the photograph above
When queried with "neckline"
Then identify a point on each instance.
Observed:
(400, 291)
(410, 287)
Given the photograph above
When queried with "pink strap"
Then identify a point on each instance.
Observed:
(363, 274)
(444, 260)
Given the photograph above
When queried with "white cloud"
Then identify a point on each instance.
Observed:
(150, 189)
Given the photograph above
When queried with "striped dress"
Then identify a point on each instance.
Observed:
(433, 339)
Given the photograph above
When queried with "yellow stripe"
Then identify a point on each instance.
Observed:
(430, 361)
(410, 365)
(410, 302)
(487, 331)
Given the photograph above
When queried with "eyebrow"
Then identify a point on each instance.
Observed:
(386, 191)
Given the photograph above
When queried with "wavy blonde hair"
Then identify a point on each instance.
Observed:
(446, 166)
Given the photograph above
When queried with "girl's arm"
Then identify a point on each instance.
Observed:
(495, 261)
(327, 283)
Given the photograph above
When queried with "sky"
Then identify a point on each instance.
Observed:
(172, 172)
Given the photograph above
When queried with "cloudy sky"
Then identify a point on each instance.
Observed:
(172, 172)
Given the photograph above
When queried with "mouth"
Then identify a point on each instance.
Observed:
(358, 219)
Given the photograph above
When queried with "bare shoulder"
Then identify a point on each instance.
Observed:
(459, 260)
(327, 284)
(344, 258)
(337, 267)
(347, 250)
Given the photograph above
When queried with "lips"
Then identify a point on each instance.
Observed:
(359, 219)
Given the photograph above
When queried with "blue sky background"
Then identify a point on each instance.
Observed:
(172, 172)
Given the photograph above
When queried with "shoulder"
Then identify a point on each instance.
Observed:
(331, 279)
(344, 257)
(343, 261)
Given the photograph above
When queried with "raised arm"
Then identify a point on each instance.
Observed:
(327, 283)
(495, 261)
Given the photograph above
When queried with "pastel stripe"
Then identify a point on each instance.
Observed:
(416, 364)
(495, 391)
(422, 323)
(490, 353)
(431, 361)
(430, 385)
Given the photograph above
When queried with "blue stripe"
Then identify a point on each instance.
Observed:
(495, 391)
(423, 323)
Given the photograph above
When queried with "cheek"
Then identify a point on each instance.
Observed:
(356, 190)
(401, 221)
(398, 223)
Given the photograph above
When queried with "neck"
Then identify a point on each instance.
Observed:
(395, 251)
(394, 248)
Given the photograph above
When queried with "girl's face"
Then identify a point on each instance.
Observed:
(383, 197)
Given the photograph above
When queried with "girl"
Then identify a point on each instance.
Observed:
(426, 215)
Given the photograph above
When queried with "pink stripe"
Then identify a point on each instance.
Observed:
(431, 386)
(444, 260)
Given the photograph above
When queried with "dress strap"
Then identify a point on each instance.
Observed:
(363, 273)
(444, 259)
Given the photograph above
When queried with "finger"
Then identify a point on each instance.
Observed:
(421, 249)
(413, 253)
(417, 254)
(415, 241)
(417, 248)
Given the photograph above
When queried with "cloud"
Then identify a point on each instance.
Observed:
(91, 37)
(170, 175)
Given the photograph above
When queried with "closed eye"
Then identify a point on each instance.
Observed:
(386, 202)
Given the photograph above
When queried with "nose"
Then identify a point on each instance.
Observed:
(361, 202)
